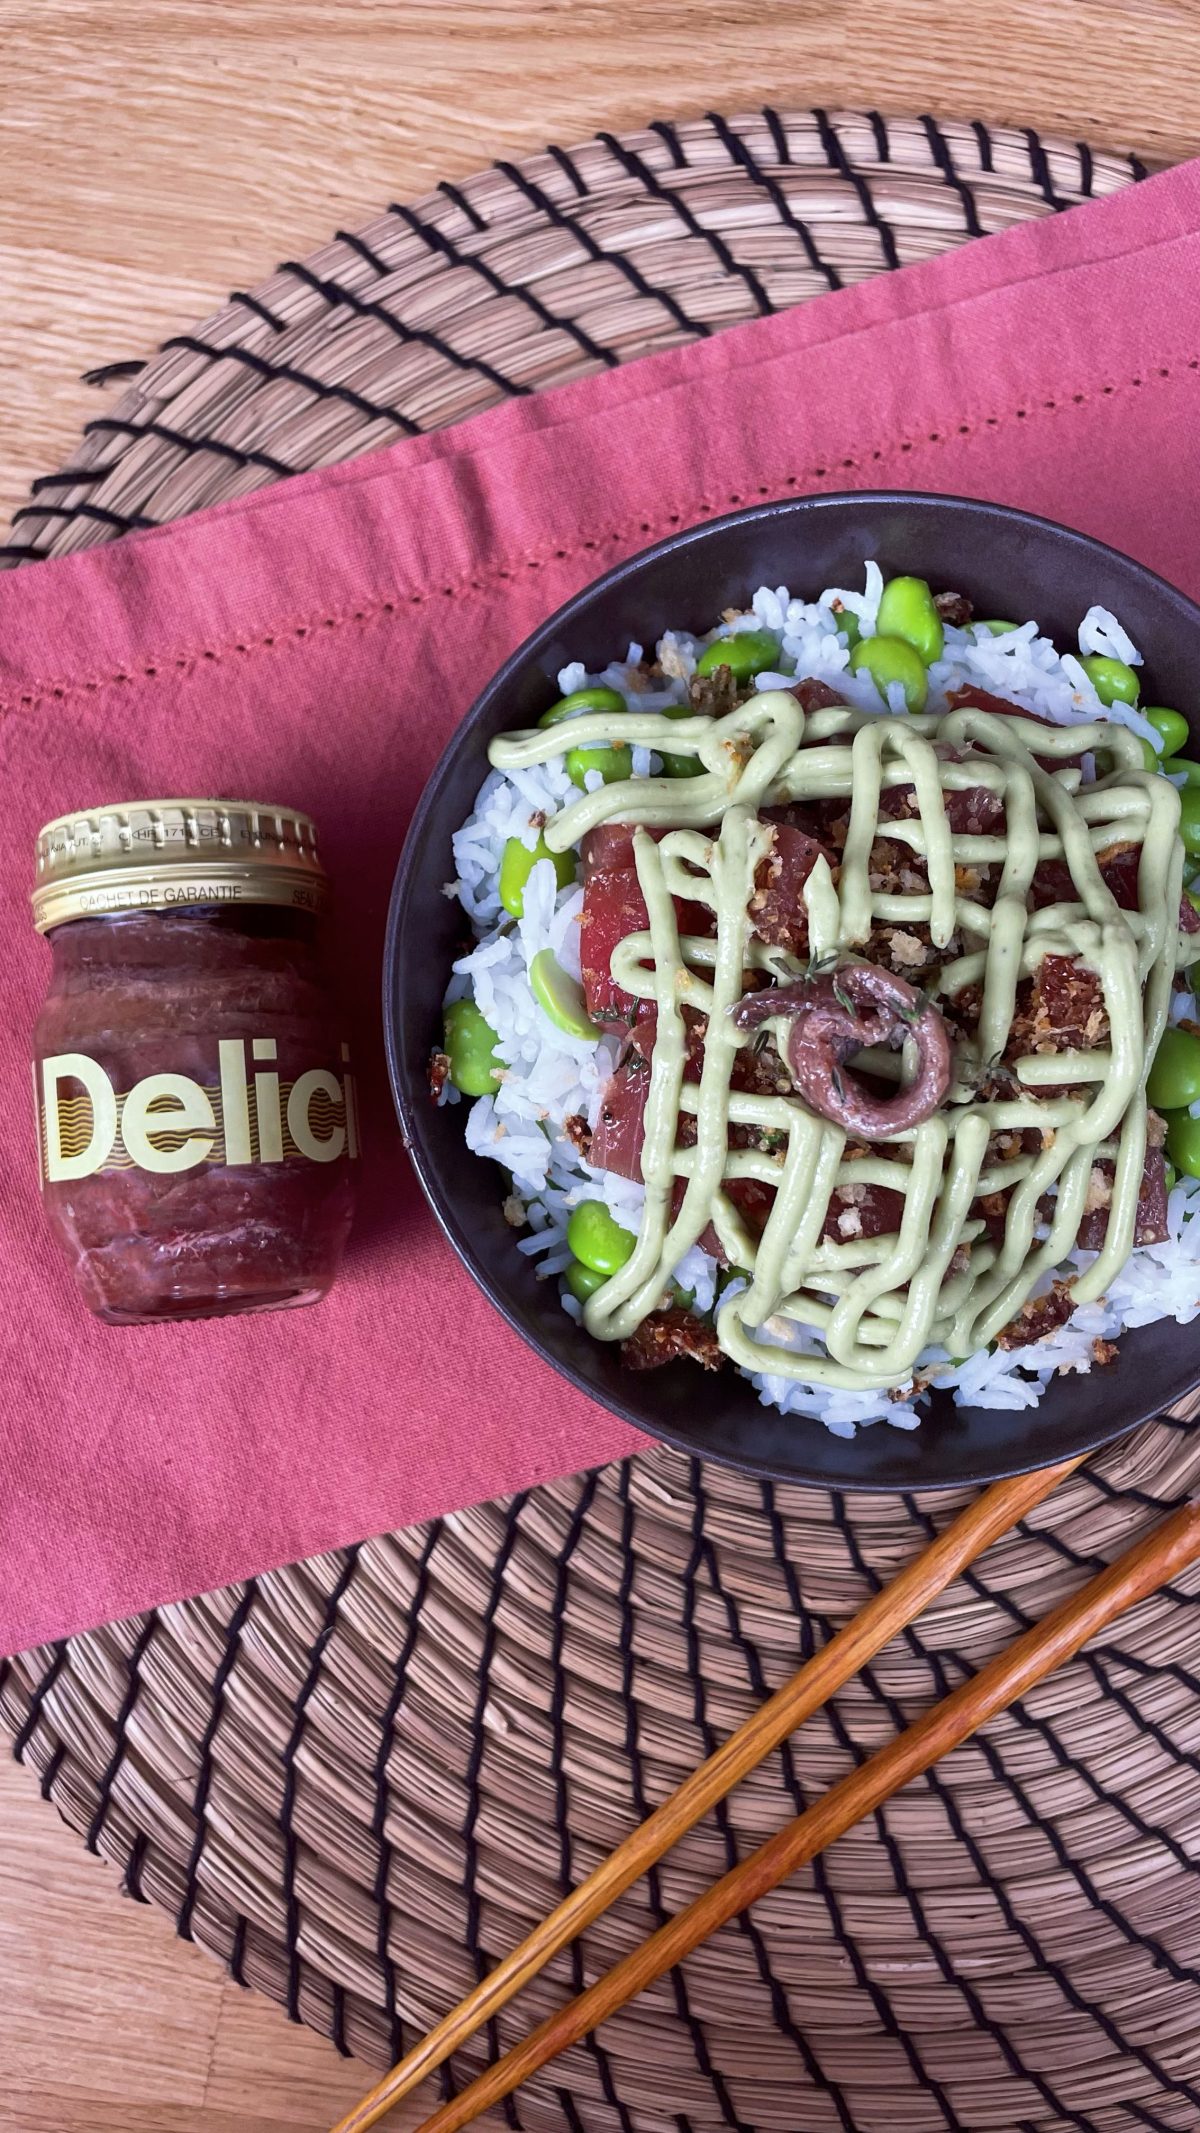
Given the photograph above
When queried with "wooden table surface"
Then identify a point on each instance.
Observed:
(155, 154)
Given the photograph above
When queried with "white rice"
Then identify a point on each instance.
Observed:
(549, 1076)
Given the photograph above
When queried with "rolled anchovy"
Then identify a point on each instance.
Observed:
(831, 1019)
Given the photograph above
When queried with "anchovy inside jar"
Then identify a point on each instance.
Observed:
(197, 1114)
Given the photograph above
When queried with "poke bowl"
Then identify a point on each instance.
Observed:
(786, 991)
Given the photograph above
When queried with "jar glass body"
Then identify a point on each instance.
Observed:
(196, 1111)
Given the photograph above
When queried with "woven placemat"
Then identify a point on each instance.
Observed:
(359, 1780)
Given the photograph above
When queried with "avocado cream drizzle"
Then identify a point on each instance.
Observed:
(869, 1307)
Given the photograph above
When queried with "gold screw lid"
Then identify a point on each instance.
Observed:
(151, 855)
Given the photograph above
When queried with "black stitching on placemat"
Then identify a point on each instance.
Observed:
(780, 2006)
(1091, 1659)
(1149, 1670)
(637, 1782)
(671, 142)
(975, 2006)
(778, 132)
(836, 157)
(237, 1953)
(911, 1895)
(458, 199)
(1159, 1956)
(108, 1776)
(558, 1736)
(337, 2025)
(878, 126)
(808, 1622)
(571, 174)
(939, 149)
(1086, 168)
(742, 154)
(37, 1696)
(984, 138)
(820, 1872)
(437, 241)
(240, 455)
(317, 386)
(633, 274)
(231, 1645)
(1142, 1719)
(364, 306)
(1104, 1487)
(113, 373)
(1139, 2111)
(131, 1880)
(1120, 2044)
(119, 520)
(255, 304)
(1138, 168)
(379, 1781)
(67, 477)
(57, 1759)
(287, 1808)
(355, 243)
(634, 167)
(508, 1540)
(1047, 1826)
(1094, 1563)
(1039, 165)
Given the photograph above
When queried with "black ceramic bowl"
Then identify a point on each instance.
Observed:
(1008, 564)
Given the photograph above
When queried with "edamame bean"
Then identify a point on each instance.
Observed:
(597, 699)
(1151, 759)
(1000, 629)
(1179, 766)
(1183, 1143)
(1171, 1176)
(612, 763)
(517, 864)
(1174, 1079)
(848, 623)
(746, 653)
(583, 1281)
(559, 995)
(907, 611)
(1113, 681)
(680, 766)
(889, 659)
(597, 1240)
(1171, 726)
(470, 1047)
(1189, 820)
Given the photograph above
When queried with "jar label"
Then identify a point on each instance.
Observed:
(170, 1122)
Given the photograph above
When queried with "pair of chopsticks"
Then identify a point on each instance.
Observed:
(1154, 1559)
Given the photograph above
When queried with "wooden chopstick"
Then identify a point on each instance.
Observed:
(1159, 1556)
(887, 1612)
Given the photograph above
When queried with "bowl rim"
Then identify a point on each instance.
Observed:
(411, 1099)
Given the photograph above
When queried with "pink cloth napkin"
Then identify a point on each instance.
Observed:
(316, 643)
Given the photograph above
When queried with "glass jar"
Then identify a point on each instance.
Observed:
(197, 1121)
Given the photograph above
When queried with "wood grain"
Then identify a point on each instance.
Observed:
(112, 2025)
(157, 153)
